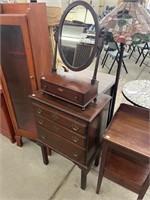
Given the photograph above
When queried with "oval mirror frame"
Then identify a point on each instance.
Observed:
(95, 18)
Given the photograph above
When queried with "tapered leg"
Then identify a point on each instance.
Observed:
(49, 151)
(97, 158)
(102, 166)
(83, 179)
(44, 154)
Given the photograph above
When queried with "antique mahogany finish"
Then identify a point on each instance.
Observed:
(70, 131)
(125, 152)
(70, 88)
(77, 49)
(25, 58)
(6, 127)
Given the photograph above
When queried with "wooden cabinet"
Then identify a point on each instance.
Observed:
(25, 57)
(6, 127)
(70, 131)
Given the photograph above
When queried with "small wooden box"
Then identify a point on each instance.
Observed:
(68, 87)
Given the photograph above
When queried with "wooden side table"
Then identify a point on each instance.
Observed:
(126, 150)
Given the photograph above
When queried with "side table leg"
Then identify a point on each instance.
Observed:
(83, 179)
(44, 154)
(97, 160)
(49, 151)
(144, 188)
(102, 166)
(98, 157)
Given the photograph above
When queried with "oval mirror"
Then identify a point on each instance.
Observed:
(78, 35)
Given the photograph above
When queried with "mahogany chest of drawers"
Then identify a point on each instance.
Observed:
(69, 130)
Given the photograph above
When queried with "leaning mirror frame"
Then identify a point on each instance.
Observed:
(95, 18)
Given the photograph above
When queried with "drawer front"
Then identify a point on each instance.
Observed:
(60, 130)
(65, 120)
(61, 145)
(62, 92)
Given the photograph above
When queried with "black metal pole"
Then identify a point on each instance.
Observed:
(114, 93)
(54, 69)
(99, 50)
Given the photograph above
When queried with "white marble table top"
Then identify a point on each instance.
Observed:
(138, 92)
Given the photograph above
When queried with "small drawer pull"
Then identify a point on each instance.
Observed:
(54, 116)
(39, 111)
(40, 121)
(43, 135)
(60, 90)
(75, 127)
(75, 139)
(76, 154)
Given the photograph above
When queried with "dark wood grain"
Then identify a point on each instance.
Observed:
(126, 150)
(69, 130)
(6, 127)
(31, 19)
(74, 89)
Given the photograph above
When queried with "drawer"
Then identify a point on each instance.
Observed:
(60, 130)
(74, 89)
(61, 145)
(62, 92)
(68, 121)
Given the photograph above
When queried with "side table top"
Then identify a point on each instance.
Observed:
(130, 129)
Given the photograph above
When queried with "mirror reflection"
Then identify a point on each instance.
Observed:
(77, 38)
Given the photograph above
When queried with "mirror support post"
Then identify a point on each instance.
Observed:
(99, 50)
(54, 69)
